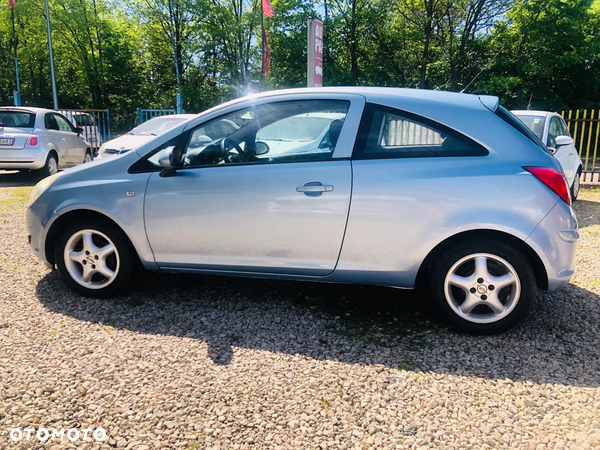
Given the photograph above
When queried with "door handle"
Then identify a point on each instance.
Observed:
(570, 154)
(64, 139)
(314, 188)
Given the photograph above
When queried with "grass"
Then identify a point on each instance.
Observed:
(14, 199)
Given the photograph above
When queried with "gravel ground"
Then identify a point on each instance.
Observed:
(197, 362)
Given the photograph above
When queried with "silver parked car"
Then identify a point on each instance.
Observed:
(411, 188)
(554, 133)
(40, 139)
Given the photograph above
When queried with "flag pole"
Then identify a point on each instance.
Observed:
(262, 37)
(52, 76)
(18, 91)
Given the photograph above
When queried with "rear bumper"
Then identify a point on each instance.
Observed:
(555, 241)
(26, 158)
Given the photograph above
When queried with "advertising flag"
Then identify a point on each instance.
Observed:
(266, 53)
(267, 8)
(11, 3)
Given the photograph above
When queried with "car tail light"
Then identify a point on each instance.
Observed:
(554, 179)
(32, 141)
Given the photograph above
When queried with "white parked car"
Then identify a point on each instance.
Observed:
(552, 130)
(142, 134)
(40, 139)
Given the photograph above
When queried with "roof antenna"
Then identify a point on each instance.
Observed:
(529, 104)
(487, 66)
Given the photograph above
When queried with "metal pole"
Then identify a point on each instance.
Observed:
(178, 98)
(18, 91)
(52, 77)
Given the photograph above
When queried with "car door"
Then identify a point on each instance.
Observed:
(234, 207)
(565, 153)
(57, 139)
(76, 145)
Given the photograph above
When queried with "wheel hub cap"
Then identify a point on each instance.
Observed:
(91, 259)
(482, 288)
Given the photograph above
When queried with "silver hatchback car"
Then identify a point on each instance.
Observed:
(408, 188)
(40, 139)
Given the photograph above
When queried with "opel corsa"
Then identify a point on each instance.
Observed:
(406, 188)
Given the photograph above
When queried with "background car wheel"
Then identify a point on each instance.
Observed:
(88, 157)
(51, 166)
(483, 286)
(575, 185)
(95, 259)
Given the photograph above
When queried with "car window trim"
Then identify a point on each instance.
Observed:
(362, 138)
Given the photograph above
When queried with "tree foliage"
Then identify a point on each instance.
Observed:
(121, 55)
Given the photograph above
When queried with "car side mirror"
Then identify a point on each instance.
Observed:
(563, 140)
(261, 148)
(166, 159)
(78, 130)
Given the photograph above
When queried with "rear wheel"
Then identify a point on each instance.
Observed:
(51, 166)
(575, 185)
(483, 287)
(95, 258)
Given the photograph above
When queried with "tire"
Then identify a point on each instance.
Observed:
(575, 185)
(88, 157)
(103, 260)
(51, 166)
(468, 271)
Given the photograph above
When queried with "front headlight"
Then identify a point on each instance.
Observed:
(41, 187)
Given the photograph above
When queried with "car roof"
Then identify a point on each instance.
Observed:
(29, 109)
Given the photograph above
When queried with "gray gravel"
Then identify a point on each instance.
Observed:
(196, 362)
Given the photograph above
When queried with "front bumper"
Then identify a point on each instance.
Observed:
(555, 241)
(35, 229)
(26, 158)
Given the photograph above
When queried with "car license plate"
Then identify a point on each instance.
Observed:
(6, 141)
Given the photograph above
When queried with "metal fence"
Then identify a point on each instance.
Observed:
(146, 114)
(584, 126)
(94, 122)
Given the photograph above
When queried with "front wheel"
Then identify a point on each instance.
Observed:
(95, 259)
(483, 286)
(88, 157)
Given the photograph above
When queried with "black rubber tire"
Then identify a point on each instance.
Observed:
(88, 152)
(45, 171)
(505, 251)
(574, 194)
(129, 266)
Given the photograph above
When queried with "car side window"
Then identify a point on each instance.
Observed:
(565, 128)
(389, 133)
(50, 122)
(64, 124)
(554, 130)
(271, 133)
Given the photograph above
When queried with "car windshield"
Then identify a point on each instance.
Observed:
(17, 119)
(300, 128)
(534, 123)
(157, 126)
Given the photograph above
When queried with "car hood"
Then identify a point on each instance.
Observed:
(128, 142)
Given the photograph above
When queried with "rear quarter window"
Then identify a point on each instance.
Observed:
(391, 133)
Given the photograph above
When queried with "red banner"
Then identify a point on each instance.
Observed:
(267, 8)
(12, 4)
(267, 53)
